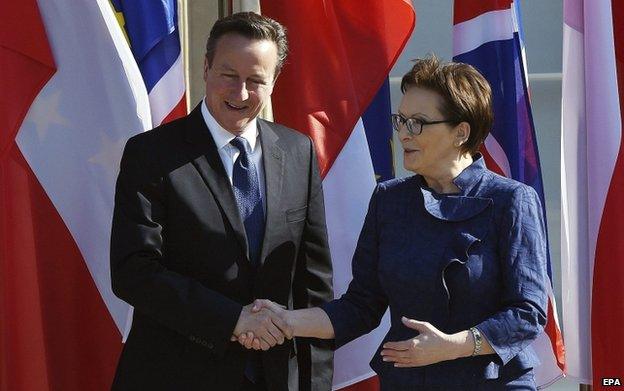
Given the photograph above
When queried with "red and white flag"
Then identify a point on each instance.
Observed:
(592, 190)
(71, 96)
(336, 66)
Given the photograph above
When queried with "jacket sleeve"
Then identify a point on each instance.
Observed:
(361, 308)
(522, 248)
(138, 274)
(313, 286)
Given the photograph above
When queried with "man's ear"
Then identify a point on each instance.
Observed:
(206, 67)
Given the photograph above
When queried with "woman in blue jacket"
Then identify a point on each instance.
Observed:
(456, 252)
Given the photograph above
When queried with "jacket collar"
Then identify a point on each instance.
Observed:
(460, 206)
(205, 158)
(470, 175)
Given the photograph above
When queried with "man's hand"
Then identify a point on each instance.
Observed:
(252, 340)
(265, 327)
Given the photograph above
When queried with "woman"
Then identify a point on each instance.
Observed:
(456, 252)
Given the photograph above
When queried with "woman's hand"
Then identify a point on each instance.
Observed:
(249, 340)
(305, 322)
(430, 346)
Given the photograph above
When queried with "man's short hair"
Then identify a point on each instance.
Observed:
(466, 95)
(252, 26)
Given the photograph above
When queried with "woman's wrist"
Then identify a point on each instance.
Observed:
(310, 322)
(290, 318)
(463, 344)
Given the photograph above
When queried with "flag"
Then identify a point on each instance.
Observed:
(72, 95)
(152, 29)
(592, 189)
(487, 34)
(379, 133)
(336, 67)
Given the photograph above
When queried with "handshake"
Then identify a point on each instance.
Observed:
(262, 325)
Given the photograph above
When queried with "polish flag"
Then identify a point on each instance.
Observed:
(337, 65)
(72, 94)
(592, 190)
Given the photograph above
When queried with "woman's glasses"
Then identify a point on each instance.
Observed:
(414, 126)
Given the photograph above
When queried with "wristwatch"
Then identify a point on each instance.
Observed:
(478, 340)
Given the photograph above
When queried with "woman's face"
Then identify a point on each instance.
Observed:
(429, 152)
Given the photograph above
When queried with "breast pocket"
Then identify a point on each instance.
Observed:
(296, 215)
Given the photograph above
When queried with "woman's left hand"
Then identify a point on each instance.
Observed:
(430, 346)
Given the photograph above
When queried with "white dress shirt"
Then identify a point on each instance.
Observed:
(229, 153)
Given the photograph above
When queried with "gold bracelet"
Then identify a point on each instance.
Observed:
(478, 339)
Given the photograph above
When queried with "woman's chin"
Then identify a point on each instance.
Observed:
(411, 167)
(410, 163)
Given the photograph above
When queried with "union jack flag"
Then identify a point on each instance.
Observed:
(487, 34)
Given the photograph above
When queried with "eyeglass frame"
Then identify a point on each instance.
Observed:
(407, 121)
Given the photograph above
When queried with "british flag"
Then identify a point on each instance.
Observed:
(487, 34)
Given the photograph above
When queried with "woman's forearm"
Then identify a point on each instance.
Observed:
(466, 343)
(310, 322)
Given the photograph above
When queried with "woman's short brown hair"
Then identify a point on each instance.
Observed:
(466, 95)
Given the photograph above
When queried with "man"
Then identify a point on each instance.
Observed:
(211, 211)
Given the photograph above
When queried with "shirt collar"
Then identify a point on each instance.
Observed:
(221, 136)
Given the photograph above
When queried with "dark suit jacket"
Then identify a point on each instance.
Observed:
(179, 256)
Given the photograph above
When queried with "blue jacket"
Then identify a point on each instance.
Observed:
(474, 258)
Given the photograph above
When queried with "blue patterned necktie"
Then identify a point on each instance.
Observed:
(246, 188)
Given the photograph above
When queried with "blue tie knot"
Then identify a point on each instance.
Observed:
(241, 144)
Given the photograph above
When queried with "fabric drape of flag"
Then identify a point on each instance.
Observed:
(487, 34)
(153, 35)
(379, 133)
(592, 189)
(336, 66)
(72, 95)
(152, 28)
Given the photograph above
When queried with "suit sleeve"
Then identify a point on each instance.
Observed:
(312, 285)
(361, 308)
(138, 274)
(522, 247)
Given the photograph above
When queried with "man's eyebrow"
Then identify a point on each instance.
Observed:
(225, 67)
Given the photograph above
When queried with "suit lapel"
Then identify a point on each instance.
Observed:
(273, 159)
(206, 160)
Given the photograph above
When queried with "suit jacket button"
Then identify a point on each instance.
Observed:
(210, 345)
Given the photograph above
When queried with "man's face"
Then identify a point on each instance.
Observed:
(240, 80)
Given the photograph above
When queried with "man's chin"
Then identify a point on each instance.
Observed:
(236, 128)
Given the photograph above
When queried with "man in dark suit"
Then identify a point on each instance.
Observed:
(211, 211)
